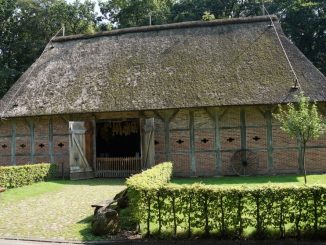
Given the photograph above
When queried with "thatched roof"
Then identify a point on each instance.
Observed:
(191, 64)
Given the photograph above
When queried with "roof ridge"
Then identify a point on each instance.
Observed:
(179, 25)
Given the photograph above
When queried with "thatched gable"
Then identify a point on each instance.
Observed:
(192, 64)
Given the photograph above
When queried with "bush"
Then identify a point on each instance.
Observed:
(16, 176)
(141, 186)
(229, 212)
(154, 177)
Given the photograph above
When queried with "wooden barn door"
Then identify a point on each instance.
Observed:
(148, 143)
(79, 166)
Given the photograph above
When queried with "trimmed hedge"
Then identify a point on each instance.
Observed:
(154, 177)
(16, 176)
(141, 184)
(228, 212)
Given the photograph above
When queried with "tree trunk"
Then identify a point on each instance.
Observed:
(304, 162)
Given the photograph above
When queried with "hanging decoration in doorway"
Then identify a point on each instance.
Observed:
(123, 128)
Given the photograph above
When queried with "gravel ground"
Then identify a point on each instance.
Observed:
(64, 214)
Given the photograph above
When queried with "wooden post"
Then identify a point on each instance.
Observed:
(13, 142)
(51, 149)
(243, 128)
(32, 140)
(217, 144)
(167, 118)
(167, 138)
(269, 141)
(192, 142)
(148, 142)
(216, 115)
(94, 146)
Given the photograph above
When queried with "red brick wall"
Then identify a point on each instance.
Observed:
(24, 153)
(178, 147)
(284, 154)
(5, 142)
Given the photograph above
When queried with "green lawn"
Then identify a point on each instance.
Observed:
(54, 210)
(256, 180)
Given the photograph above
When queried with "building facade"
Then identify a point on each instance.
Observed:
(200, 94)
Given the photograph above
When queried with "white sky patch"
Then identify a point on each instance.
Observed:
(97, 8)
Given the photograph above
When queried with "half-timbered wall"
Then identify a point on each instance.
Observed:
(35, 140)
(201, 142)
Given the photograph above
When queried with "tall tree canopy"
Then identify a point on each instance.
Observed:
(27, 25)
(304, 22)
(128, 13)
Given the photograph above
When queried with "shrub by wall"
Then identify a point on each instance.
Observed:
(16, 176)
(154, 177)
(228, 212)
(140, 186)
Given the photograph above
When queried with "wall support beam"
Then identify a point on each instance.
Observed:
(243, 128)
(94, 143)
(167, 117)
(216, 115)
(32, 140)
(13, 142)
(268, 114)
(218, 144)
(167, 138)
(192, 143)
(51, 148)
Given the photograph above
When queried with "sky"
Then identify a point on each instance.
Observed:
(97, 8)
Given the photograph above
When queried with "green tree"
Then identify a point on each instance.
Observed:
(27, 25)
(207, 16)
(304, 22)
(303, 122)
(187, 10)
(128, 13)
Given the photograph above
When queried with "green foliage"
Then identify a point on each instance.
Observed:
(16, 176)
(302, 121)
(125, 13)
(26, 26)
(291, 180)
(140, 186)
(207, 16)
(303, 21)
(154, 177)
(228, 212)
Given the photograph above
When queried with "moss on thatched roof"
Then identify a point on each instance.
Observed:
(192, 64)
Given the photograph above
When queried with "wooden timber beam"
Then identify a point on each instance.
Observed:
(269, 140)
(13, 142)
(51, 147)
(243, 128)
(216, 114)
(31, 126)
(192, 143)
(267, 112)
(167, 117)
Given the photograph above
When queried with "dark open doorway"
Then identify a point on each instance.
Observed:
(118, 138)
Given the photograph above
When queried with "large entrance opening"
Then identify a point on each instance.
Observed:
(118, 148)
(118, 139)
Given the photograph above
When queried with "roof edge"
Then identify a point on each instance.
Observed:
(188, 24)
